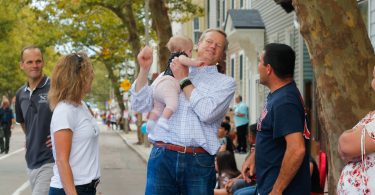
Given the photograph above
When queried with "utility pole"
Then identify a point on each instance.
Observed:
(143, 138)
(125, 98)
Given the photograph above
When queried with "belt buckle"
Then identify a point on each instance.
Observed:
(185, 147)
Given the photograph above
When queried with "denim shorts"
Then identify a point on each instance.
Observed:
(171, 172)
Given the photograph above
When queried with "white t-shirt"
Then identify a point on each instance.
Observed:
(84, 154)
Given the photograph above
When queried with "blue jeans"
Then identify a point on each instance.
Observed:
(239, 184)
(80, 191)
(170, 172)
(246, 191)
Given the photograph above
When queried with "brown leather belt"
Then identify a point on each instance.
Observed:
(181, 149)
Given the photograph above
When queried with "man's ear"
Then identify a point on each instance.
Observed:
(269, 69)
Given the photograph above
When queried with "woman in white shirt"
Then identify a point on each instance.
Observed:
(74, 131)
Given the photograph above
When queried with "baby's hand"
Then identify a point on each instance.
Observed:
(189, 62)
(197, 63)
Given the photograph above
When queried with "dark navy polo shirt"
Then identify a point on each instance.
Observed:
(283, 114)
(33, 110)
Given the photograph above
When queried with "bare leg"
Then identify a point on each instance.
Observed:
(154, 115)
(171, 101)
(167, 113)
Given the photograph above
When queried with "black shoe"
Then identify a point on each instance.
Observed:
(6, 152)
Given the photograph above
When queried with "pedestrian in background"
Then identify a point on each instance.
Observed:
(74, 130)
(34, 115)
(226, 143)
(226, 169)
(281, 159)
(239, 186)
(6, 118)
(241, 121)
(233, 132)
(182, 159)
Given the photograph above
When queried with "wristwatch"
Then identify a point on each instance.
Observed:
(185, 83)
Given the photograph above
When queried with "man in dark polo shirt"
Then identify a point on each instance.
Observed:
(281, 159)
(34, 115)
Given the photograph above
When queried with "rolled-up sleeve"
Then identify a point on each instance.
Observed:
(211, 104)
(141, 101)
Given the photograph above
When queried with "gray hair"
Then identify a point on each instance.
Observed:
(218, 31)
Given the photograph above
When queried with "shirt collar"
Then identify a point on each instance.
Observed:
(204, 69)
(41, 84)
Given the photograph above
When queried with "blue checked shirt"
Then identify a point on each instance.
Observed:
(195, 122)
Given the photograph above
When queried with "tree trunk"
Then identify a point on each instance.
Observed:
(127, 17)
(115, 85)
(160, 19)
(343, 59)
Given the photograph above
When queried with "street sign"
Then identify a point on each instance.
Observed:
(125, 85)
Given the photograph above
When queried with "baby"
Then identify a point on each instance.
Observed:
(166, 88)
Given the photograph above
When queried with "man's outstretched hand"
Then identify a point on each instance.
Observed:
(145, 58)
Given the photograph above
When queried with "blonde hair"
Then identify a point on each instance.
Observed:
(178, 43)
(70, 79)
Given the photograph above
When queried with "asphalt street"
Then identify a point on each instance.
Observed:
(122, 170)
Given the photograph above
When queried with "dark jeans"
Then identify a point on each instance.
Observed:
(81, 190)
(239, 184)
(246, 191)
(241, 138)
(171, 173)
(4, 141)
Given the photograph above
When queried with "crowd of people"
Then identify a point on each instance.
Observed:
(195, 139)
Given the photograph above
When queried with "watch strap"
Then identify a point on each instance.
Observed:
(185, 83)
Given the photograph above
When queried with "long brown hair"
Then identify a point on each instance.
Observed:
(71, 79)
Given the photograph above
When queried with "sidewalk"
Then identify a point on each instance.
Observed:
(131, 140)
(144, 152)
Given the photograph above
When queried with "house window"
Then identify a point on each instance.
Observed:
(208, 11)
(196, 30)
(218, 13)
(232, 67)
(223, 10)
(232, 4)
(241, 3)
(289, 37)
(274, 38)
(241, 67)
(363, 8)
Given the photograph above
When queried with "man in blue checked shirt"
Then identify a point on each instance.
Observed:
(182, 159)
